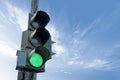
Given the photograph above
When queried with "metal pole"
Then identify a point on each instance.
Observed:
(34, 6)
(23, 74)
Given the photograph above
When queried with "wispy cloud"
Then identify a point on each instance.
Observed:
(17, 16)
(93, 64)
(58, 48)
(8, 48)
(98, 64)
(114, 56)
(14, 18)
(99, 30)
(89, 28)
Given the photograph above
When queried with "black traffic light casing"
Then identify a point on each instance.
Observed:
(37, 39)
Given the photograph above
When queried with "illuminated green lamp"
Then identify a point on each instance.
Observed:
(36, 60)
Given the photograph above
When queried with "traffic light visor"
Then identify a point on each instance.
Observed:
(39, 37)
(40, 19)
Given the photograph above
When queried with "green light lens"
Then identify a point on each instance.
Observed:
(36, 60)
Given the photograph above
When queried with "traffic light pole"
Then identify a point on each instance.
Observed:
(34, 6)
(23, 74)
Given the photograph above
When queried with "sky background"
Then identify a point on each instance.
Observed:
(86, 32)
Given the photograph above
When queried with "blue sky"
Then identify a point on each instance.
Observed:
(86, 33)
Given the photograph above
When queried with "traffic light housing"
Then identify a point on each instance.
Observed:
(36, 42)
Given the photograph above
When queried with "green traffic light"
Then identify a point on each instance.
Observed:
(36, 60)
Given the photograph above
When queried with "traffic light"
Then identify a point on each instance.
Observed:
(36, 43)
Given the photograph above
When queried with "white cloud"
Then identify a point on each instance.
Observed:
(94, 64)
(65, 72)
(76, 62)
(2, 14)
(57, 47)
(54, 32)
(8, 48)
(93, 25)
(17, 16)
(97, 64)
